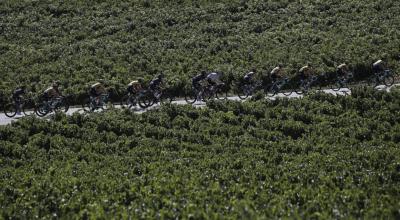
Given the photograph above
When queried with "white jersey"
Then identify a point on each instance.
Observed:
(213, 77)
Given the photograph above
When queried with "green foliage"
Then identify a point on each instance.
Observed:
(318, 157)
(79, 42)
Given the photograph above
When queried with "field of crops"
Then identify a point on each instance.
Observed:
(80, 41)
(321, 156)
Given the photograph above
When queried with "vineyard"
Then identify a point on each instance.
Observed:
(321, 156)
(79, 42)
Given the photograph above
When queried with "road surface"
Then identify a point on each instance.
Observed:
(4, 120)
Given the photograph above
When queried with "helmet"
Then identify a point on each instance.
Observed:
(23, 87)
(203, 73)
(56, 83)
(160, 76)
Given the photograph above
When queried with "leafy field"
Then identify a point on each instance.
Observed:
(80, 41)
(317, 157)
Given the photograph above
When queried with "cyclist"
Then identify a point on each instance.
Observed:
(305, 72)
(17, 97)
(343, 71)
(196, 81)
(96, 90)
(213, 79)
(249, 77)
(378, 67)
(52, 92)
(277, 73)
(156, 85)
(135, 87)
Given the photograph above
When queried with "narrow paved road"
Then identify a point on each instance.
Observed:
(4, 120)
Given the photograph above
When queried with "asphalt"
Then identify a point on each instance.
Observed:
(4, 120)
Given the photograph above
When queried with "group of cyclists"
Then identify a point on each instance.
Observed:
(199, 83)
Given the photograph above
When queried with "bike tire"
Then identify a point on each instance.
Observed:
(372, 82)
(242, 94)
(166, 99)
(63, 106)
(388, 80)
(221, 95)
(145, 102)
(10, 110)
(270, 91)
(336, 86)
(40, 111)
(300, 91)
(31, 105)
(86, 106)
(288, 93)
(190, 97)
(127, 102)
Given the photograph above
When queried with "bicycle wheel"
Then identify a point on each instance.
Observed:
(388, 80)
(373, 82)
(287, 92)
(145, 101)
(336, 86)
(221, 95)
(10, 110)
(298, 91)
(191, 97)
(128, 102)
(271, 91)
(243, 93)
(166, 99)
(41, 110)
(28, 108)
(62, 106)
(87, 106)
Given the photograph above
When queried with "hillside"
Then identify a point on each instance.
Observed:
(80, 41)
(317, 157)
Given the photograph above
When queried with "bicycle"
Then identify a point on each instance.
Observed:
(386, 78)
(150, 97)
(206, 93)
(19, 106)
(247, 90)
(342, 82)
(130, 100)
(100, 102)
(58, 104)
(278, 86)
(306, 84)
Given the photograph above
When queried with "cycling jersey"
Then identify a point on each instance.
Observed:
(196, 81)
(198, 78)
(342, 69)
(213, 78)
(305, 72)
(51, 93)
(155, 83)
(248, 77)
(97, 89)
(276, 73)
(134, 87)
(378, 66)
(18, 93)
